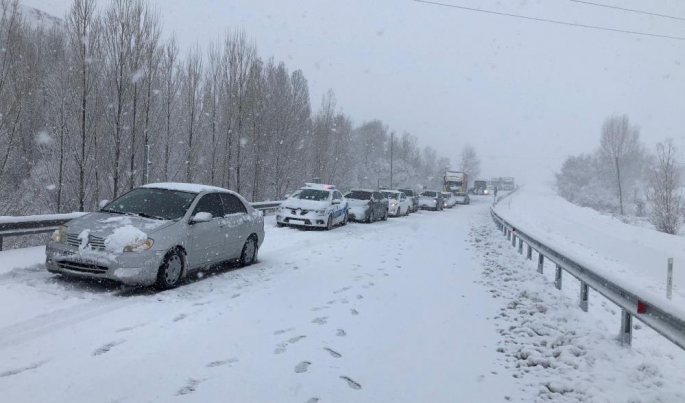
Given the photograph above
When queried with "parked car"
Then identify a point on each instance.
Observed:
(449, 199)
(157, 234)
(317, 206)
(414, 197)
(462, 198)
(398, 203)
(431, 200)
(367, 205)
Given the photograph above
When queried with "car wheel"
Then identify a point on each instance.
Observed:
(171, 270)
(249, 254)
(280, 225)
(329, 225)
(344, 221)
(370, 218)
(385, 216)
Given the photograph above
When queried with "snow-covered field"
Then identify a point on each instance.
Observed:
(631, 255)
(434, 307)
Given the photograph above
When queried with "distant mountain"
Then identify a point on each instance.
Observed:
(37, 18)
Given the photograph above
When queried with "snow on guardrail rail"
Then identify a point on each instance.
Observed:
(659, 313)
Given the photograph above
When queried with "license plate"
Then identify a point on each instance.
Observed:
(298, 222)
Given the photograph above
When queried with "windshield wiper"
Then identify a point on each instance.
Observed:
(112, 211)
(154, 217)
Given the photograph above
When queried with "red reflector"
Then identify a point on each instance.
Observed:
(641, 307)
(513, 229)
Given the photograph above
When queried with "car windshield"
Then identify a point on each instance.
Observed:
(313, 194)
(461, 195)
(391, 195)
(152, 203)
(407, 192)
(429, 194)
(359, 195)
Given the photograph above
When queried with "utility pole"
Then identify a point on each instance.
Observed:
(620, 191)
(392, 144)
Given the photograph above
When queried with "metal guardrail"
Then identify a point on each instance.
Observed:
(650, 312)
(43, 224)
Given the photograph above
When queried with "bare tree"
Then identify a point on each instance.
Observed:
(191, 83)
(469, 163)
(169, 77)
(620, 143)
(666, 214)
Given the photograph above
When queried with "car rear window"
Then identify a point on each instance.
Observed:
(359, 195)
(429, 194)
(390, 195)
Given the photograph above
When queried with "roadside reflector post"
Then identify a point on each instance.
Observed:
(520, 246)
(669, 277)
(541, 262)
(583, 296)
(557, 278)
(513, 240)
(529, 255)
(625, 336)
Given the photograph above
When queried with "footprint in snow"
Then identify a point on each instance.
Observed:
(321, 321)
(296, 339)
(235, 295)
(351, 383)
(302, 367)
(277, 332)
(313, 400)
(106, 347)
(190, 387)
(222, 362)
(341, 290)
(333, 354)
(18, 371)
(354, 312)
(341, 333)
(359, 296)
(180, 317)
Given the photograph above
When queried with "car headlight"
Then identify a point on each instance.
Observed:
(393, 204)
(139, 247)
(320, 212)
(60, 234)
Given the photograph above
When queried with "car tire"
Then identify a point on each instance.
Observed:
(370, 218)
(329, 225)
(385, 216)
(280, 225)
(171, 271)
(249, 253)
(344, 221)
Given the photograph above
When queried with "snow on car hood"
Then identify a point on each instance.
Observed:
(357, 203)
(105, 224)
(305, 204)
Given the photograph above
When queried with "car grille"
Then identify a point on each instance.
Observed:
(82, 267)
(301, 212)
(94, 242)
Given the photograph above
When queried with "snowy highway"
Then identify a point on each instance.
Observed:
(430, 307)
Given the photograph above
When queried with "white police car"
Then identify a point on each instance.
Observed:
(321, 206)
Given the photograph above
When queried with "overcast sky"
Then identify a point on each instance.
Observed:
(525, 94)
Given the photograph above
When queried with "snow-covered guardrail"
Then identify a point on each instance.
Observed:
(660, 314)
(42, 224)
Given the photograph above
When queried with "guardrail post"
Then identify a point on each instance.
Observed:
(529, 255)
(541, 262)
(669, 275)
(583, 296)
(508, 234)
(0, 243)
(625, 336)
(557, 278)
(513, 240)
(520, 246)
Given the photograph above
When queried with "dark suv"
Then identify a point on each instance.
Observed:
(367, 205)
(414, 197)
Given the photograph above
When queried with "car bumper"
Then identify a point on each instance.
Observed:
(307, 220)
(358, 213)
(134, 268)
(430, 205)
(394, 210)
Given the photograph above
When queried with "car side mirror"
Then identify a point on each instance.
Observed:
(103, 203)
(201, 217)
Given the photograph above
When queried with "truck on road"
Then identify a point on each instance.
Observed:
(455, 182)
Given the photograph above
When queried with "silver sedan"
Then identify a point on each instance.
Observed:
(158, 234)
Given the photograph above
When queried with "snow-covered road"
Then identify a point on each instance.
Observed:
(434, 307)
(365, 313)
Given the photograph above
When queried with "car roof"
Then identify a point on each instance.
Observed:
(363, 190)
(319, 186)
(390, 191)
(185, 187)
